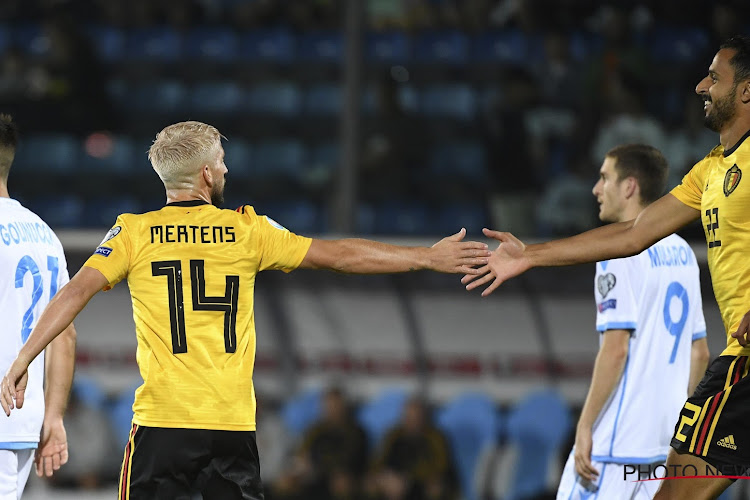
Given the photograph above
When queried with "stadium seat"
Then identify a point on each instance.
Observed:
(275, 98)
(32, 39)
(302, 410)
(298, 216)
(5, 38)
(89, 392)
(216, 97)
(121, 415)
(402, 217)
(272, 46)
(279, 159)
(102, 212)
(323, 99)
(452, 217)
(59, 211)
(457, 101)
(163, 96)
(442, 47)
(324, 162)
(461, 161)
(378, 415)
(677, 45)
(503, 47)
(238, 158)
(537, 427)
(58, 153)
(322, 47)
(104, 154)
(212, 44)
(108, 42)
(160, 44)
(472, 425)
(388, 48)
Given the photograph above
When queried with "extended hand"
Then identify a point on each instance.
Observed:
(506, 262)
(13, 387)
(582, 456)
(53, 448)
(453, 255)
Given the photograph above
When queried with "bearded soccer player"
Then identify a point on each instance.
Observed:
(191, 270)
(712, 427)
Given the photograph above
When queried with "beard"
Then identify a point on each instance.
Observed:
(722, 110)
(217, 196)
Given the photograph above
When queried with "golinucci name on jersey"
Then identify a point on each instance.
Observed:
(192, 234)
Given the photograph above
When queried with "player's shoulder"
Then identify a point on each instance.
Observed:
(249, 214)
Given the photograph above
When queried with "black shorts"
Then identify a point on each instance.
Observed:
(176, 464)
(713, 422)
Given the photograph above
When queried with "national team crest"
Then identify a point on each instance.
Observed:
(732, 180)
(605, 283)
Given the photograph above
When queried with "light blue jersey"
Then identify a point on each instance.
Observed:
(32, 269)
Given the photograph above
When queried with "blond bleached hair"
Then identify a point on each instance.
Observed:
(180, 150)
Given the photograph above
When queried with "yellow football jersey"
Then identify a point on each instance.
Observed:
(715, 186)
(191, 270)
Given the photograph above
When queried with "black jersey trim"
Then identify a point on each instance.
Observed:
(188, 203)
(731, 150)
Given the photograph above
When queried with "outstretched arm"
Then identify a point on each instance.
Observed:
(360, 256)
(622, 239)
(57, 316)
(59, 360)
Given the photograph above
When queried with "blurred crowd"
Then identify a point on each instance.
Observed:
(580, 77)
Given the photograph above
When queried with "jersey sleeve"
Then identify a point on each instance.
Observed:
(615, 298)
(112, 256)
(280, 249)
(690, 190)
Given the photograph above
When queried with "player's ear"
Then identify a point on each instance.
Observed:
(208, 177)
(745, 92)
(631, 187)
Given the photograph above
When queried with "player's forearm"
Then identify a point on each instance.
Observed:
(361, 256)
(58, 315)
(608, 370)
(59, 360)
(699, 358)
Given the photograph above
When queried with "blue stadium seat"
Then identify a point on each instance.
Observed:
(452, 217)
(102, 212)
(457, 101)
(302, 410)
(216, 97)
(277, 98)
(408, 98)
(584, 44)
(89, 392)
(365, 219)
(48, 153)
(160, 44)
(388, 48)
(462, 161)
(323, 99)
(472, 425)
(5, 37)
(537, 426)
(322, 47)
(324, 162)
(504, 47)
(300, 216)
(279, 159)
(378, 415)
(677, 45)
(121, 415)
(272, 46)
(163, 96)
(214, 44)
(238, 158)
(31, 39)
(400, 217)
(64, 211)
(442, 47)
(108, 42)
(106, 154)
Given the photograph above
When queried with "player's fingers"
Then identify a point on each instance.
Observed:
(20, 395)
(466, 269)
(64, 455)
(742, 330)
(458, 236)
(38, 463)
(475, 261)
(480, 281)
(487, 291)
(7, 396)
(49, 467)
(474, 245)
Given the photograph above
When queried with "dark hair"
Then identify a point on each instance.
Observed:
(644, 163)
(740, 61)
(8, 143)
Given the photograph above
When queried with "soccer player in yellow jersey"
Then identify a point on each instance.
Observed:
(191, 270)
(712, 427)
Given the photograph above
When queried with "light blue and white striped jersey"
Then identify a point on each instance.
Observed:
(656, 295)
(32, 269)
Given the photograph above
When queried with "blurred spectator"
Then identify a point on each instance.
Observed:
(414, 461)
(331, 459)
(392, 148)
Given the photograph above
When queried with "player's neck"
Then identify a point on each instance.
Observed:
(188, 194)
(4, 190)
(734, 132)
(630, 212)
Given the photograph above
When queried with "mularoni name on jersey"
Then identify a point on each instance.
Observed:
(192, 234)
